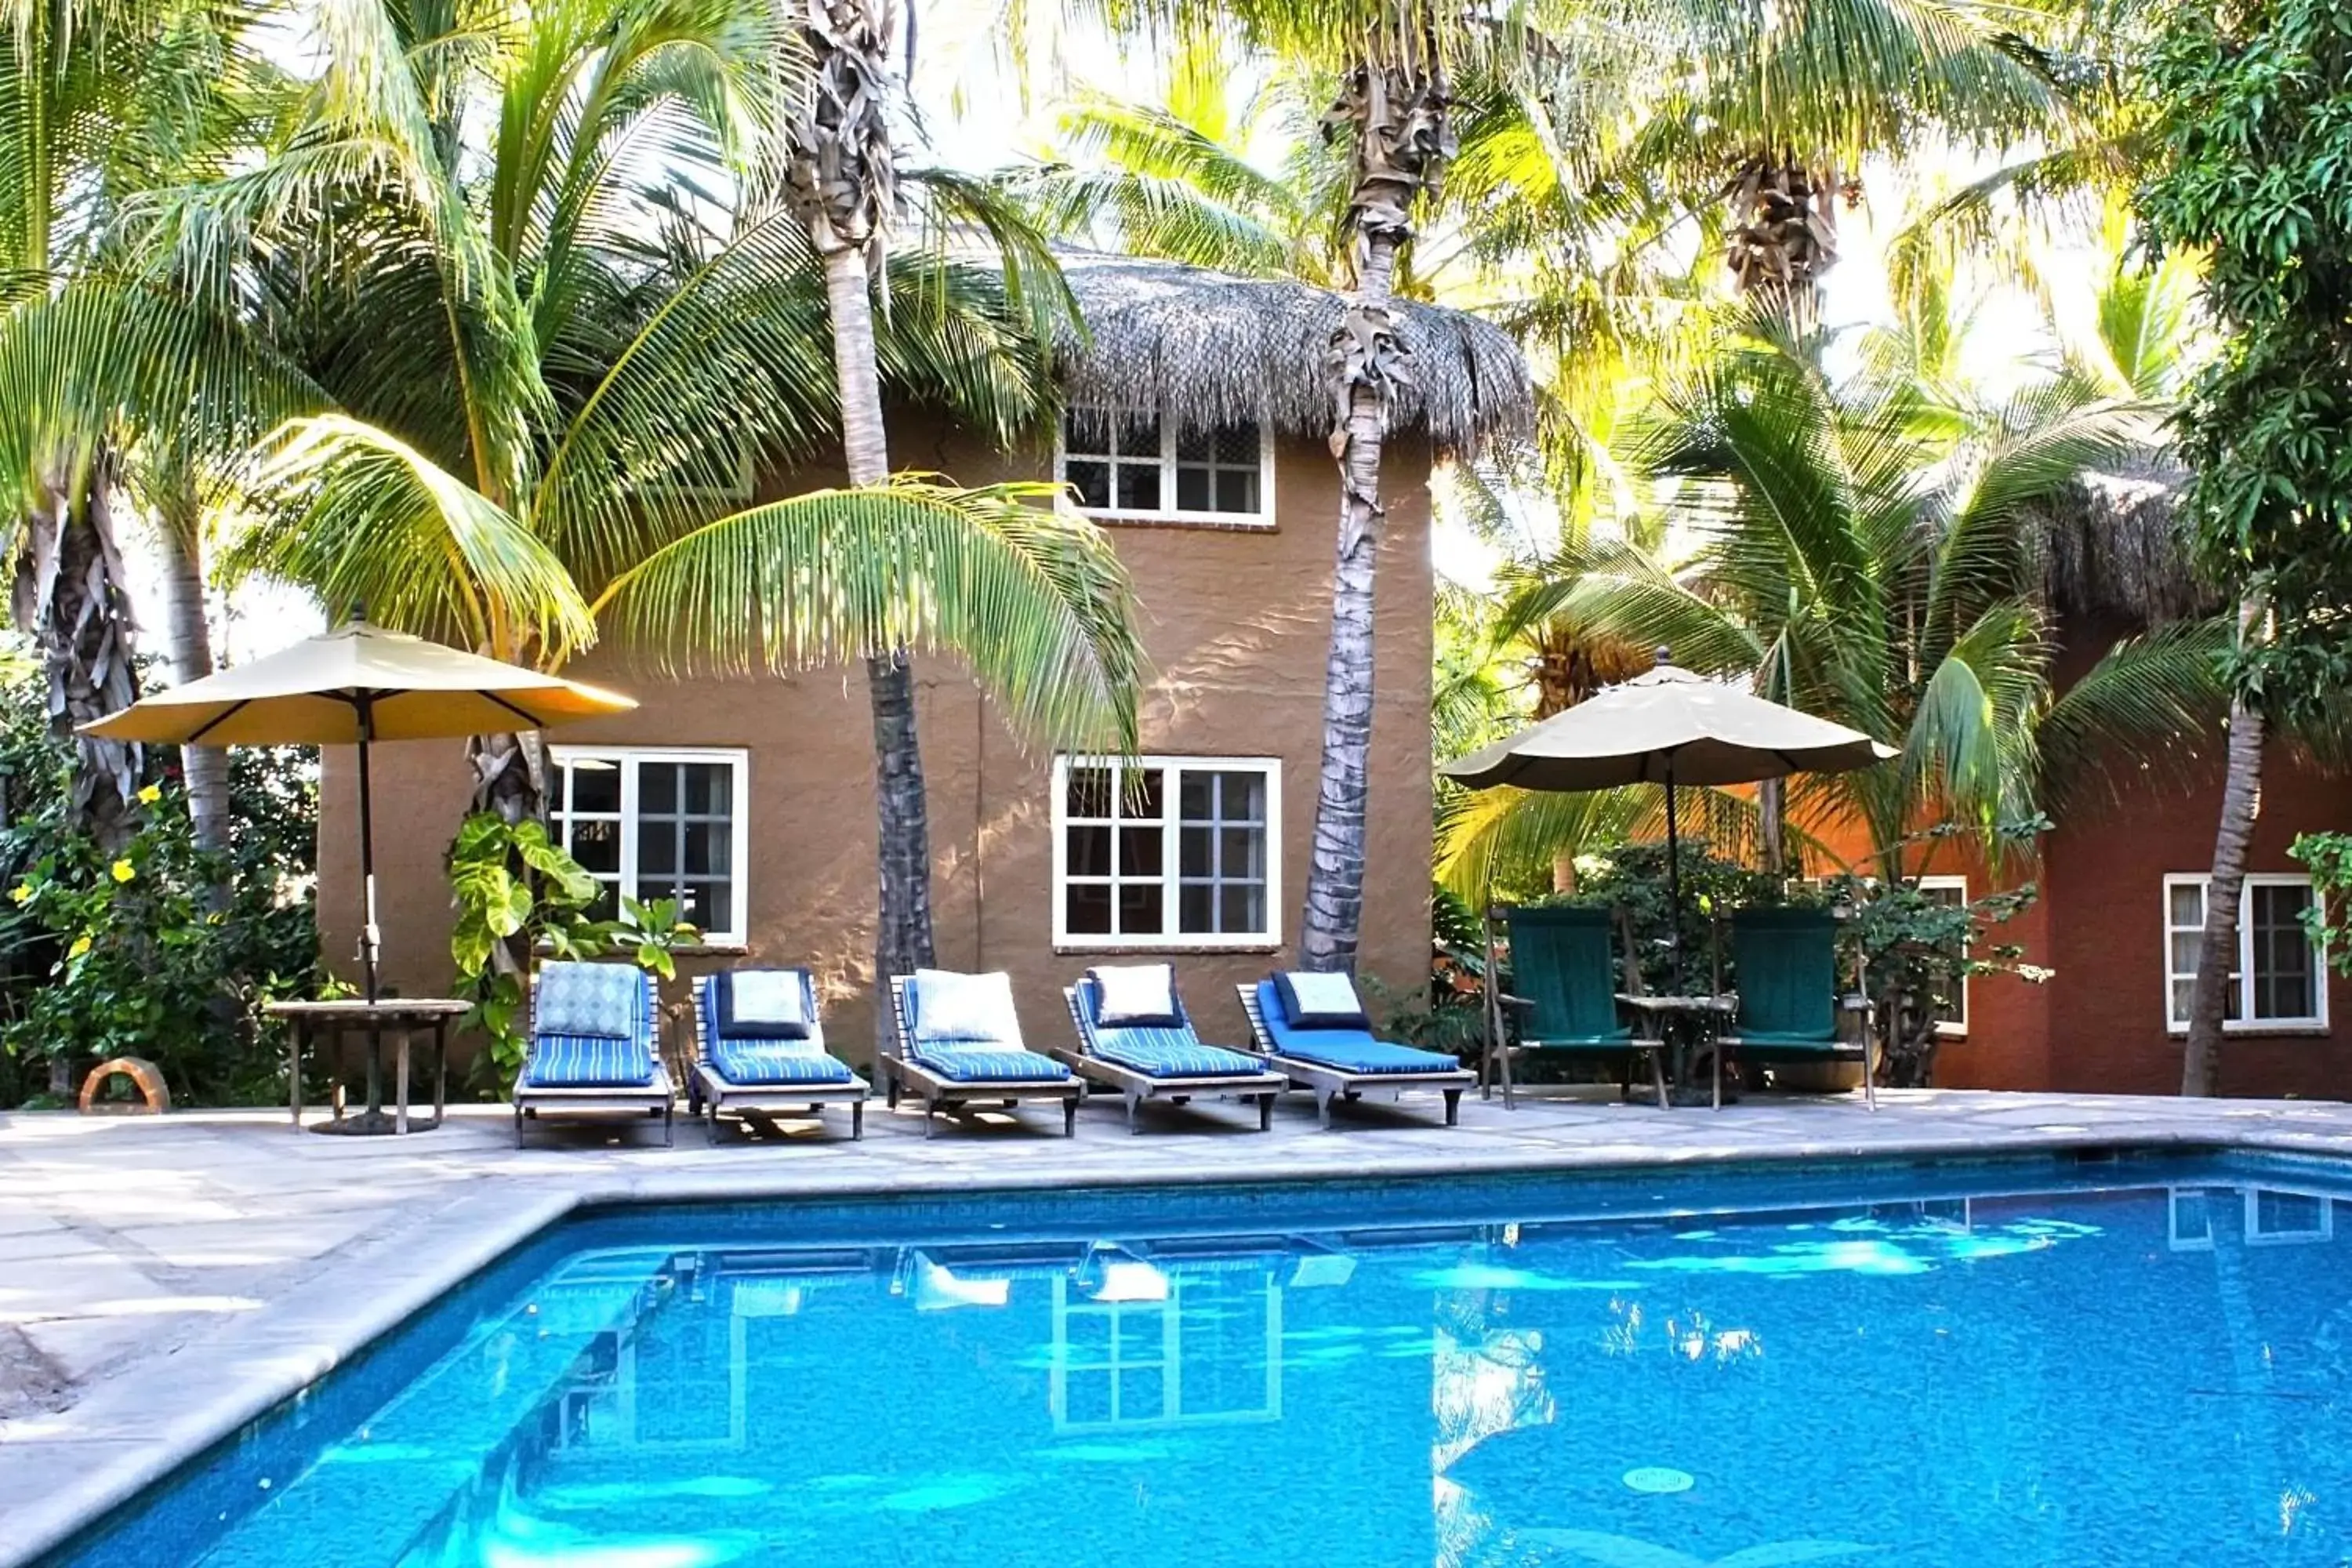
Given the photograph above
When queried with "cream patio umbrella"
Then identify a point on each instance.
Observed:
(1669, 726)
(354, 686)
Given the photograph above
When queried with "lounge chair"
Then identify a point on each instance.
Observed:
(1163, 1059)
(594, 1047)
(759, 1046)
(981, 1061)
(1563, 997)
(1789, 1006)
(1342, 1059)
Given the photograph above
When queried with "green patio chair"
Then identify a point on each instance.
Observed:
(1789, 1008)
(1562, 1000)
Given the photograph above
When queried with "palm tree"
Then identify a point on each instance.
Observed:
(100, 104)
(843, 176)
(551, 370)
(1866, 555)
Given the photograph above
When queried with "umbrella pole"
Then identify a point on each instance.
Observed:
(1674, 882)
(369, 937)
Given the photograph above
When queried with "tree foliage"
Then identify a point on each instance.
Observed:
(2254, 107)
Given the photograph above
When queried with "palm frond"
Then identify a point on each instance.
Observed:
(359, 518)
(1037, 603)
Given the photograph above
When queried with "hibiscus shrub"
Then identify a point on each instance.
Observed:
(154, 947)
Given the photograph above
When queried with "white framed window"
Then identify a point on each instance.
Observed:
(1122, 463)
(1167, 852)
(2280, 978)
(654, 822)
(1952, 1017)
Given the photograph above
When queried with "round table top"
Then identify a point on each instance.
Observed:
(1680, 1004)
(386, 1008)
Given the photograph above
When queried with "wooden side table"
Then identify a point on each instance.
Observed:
(403, 1018)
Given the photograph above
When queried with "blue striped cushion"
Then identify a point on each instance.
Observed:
(979, 1064)
(1171, 1052)
(775, 1061)
(587, 1061)
(1350, 1050)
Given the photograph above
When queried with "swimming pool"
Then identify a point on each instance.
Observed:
(2126, 1361)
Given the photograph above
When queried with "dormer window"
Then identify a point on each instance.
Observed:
(1133, 465)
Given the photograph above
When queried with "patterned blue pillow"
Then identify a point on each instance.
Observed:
(590, 999)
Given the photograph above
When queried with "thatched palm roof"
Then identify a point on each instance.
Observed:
(1211, 348)
(2114, 549)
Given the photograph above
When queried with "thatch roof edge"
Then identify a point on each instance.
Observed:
(1209, 348)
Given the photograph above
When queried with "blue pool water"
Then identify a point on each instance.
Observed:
(2129, 1363)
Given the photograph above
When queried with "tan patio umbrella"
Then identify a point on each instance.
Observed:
(352, 687)
(1669, 726)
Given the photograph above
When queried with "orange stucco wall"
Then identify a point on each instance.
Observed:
(1238, 626)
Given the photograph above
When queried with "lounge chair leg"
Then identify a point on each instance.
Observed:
(710, 1123)
(1718, 1078)
(1323, 1108)
(670, 1129)
(1133, 1100)
(890, 1090)
(856, 1119)
(518, 1126)
(927, 1107)
(1265, 1112)
(1658, 1076)
(1070, 1117)
(1453, 1108)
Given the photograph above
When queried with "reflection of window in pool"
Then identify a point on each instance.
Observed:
(2190, 1227)
(1208, 1350)
(2276, 1217)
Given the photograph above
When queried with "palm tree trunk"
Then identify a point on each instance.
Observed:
(68, 601)
(1335, 881)
(204, 769)
(2217, 952)
(902, 932)
(1398, 111)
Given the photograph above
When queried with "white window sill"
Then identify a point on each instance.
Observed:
(2307, 1029)
(1216, 522)
(1068, 947)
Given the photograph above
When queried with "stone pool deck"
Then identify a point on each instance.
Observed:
(162, 1281)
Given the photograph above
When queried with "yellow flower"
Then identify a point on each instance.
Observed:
(80, 946)
(122, 870)
(150, 796)
(22, 892)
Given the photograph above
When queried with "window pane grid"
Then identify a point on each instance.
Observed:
(1125, 461)
(1164, 849)
(665, 830)
(2277, 978)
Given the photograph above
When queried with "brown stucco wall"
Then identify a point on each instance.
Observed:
(1238, 626)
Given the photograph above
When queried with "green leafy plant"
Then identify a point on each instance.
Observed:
(2328, 856)
(1916, 949)
(509, 881)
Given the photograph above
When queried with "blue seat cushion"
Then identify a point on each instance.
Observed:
(755, 1062)
(1171, 1052)
(587, 1061)
(984, 1064)
(1350, 1050)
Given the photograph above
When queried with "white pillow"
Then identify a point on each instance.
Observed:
(964, 1007)
(1322, 992)
(1135, 995)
